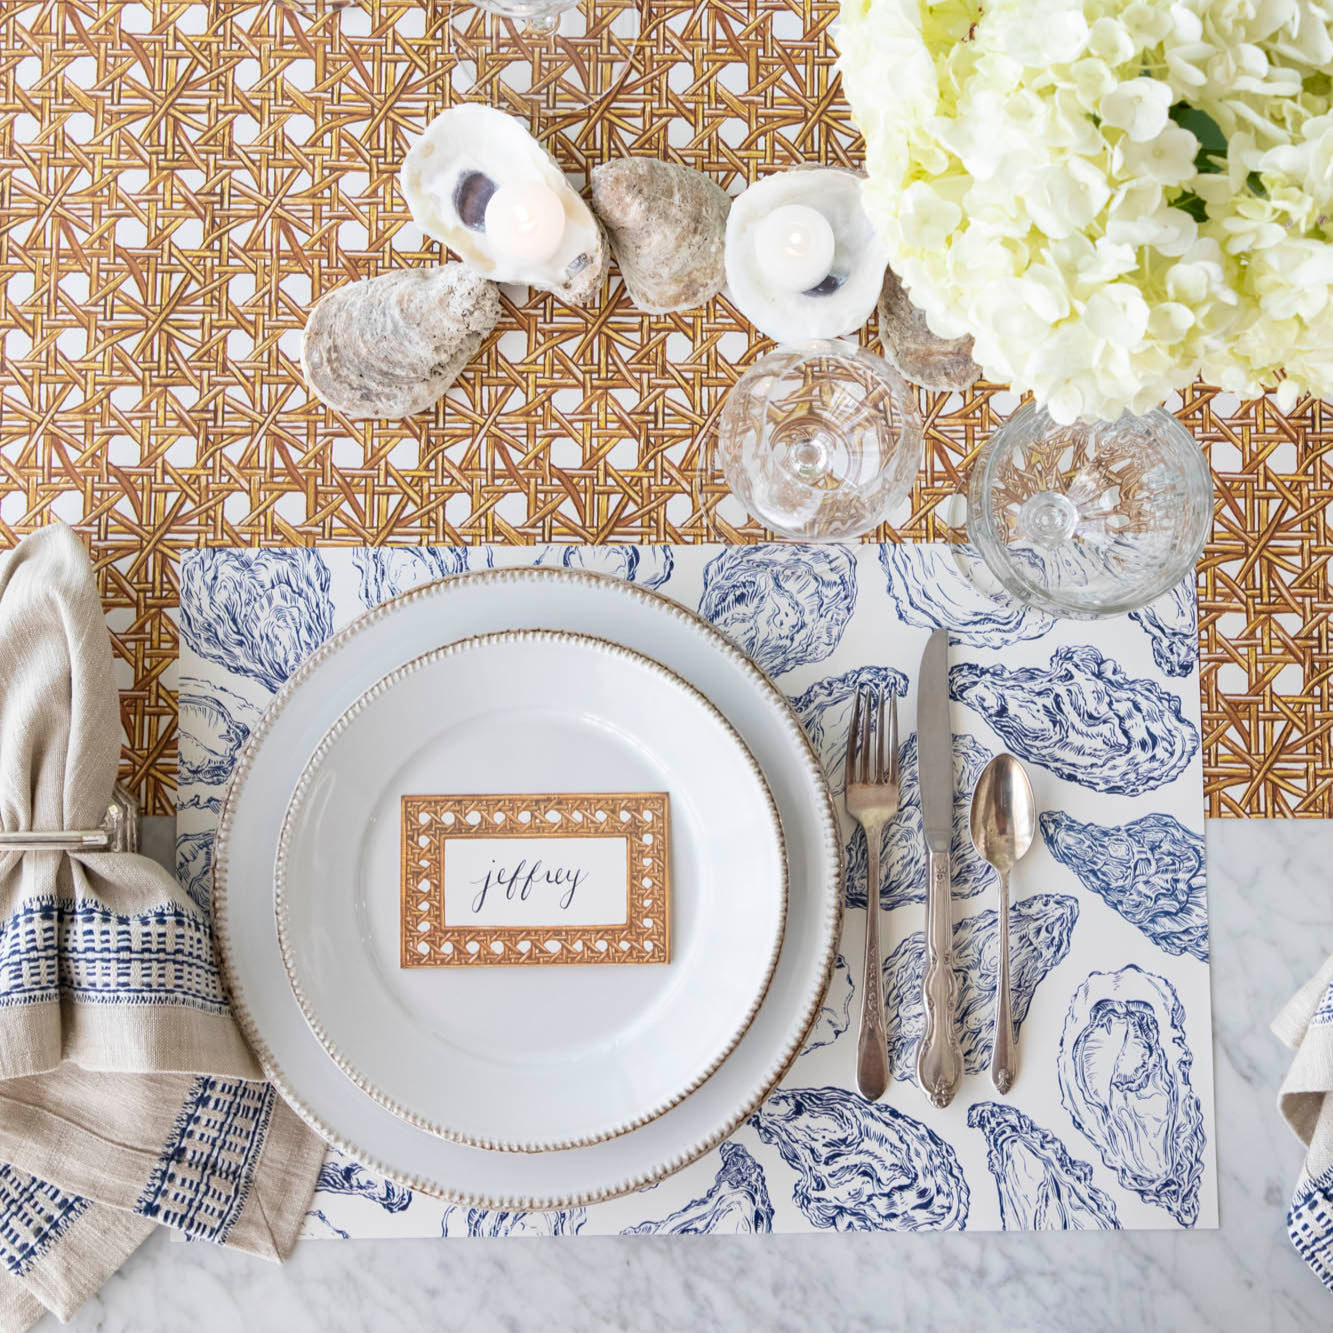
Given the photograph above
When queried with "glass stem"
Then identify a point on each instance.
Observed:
(542, 27)
(1048, 518)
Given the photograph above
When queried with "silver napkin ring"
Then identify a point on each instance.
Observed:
(119, 832)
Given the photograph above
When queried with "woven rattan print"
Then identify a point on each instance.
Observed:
(428, 939)
(181, 180)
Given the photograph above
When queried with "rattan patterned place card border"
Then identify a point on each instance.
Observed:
(500, 880)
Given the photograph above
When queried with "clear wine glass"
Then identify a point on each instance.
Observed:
(1092, 519)
(820, 441)
(543, 59)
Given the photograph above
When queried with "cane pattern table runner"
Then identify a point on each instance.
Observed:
(178, 181)
(1110, 1123)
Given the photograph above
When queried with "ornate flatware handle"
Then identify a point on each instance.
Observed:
(872, 1046)
(939, 1063)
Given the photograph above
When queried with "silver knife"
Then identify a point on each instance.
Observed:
(939, 1063)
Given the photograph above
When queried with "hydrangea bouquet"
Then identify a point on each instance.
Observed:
(1110, 196)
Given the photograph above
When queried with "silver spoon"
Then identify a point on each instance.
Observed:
(1004, 818)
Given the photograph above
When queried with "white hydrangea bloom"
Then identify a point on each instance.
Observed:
(1035, 169)
(1141, 107)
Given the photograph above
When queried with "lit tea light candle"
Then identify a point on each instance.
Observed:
(794, 246)
(525, 221)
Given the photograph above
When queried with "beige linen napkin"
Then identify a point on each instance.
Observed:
(127, 1094)
(1306, 1099)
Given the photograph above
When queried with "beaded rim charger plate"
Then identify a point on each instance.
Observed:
(249, 831)
(530, 1049)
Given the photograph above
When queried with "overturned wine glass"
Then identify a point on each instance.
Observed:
(820, 441)
(1091, 519)
(543, 59)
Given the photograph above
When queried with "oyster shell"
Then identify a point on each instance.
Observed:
(452, 173)
(1041, 1186)
(832, 308)
(390, 346)
(1124, 1074)
(910, 346)
(668, 227)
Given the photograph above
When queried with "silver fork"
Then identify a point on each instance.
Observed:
(872, 800)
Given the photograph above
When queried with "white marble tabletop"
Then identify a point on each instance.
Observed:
(1271, 898)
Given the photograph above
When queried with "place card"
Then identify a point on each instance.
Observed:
(536, 880)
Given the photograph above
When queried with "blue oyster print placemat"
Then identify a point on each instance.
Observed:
(1111, 1122)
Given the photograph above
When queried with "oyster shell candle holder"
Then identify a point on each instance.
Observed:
(390, 346)
(668, 228)
(478, 182)
(910, 346)
(802, 259)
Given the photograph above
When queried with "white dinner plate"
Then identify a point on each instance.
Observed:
(266, 775)
(530, 1057)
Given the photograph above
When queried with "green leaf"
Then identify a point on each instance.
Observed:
(1202, 126)
(1211, 158)
(1212, 155)
(1192, 205)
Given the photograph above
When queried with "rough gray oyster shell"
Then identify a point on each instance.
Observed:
(668, 229)
(390, 346)
(910, 346)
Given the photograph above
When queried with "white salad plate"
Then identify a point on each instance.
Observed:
(250, 827)
(530, 1056)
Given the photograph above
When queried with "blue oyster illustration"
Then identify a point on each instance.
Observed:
(1084, 719)
(786, 606)
(904, 852)
(930, 588)
(319, 1215)
(1124, 1071)
(257, 613)
(736, 1204)
(1150, 870)
(835, 1016)
(1172, 623)
(194, 866)
(387, 571)
(649, 566)
(863, 1166)
(1041, 1187)
(1040, 929)
(214, 723)
(341, 1175)
(480, 1222)
(825, 710)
